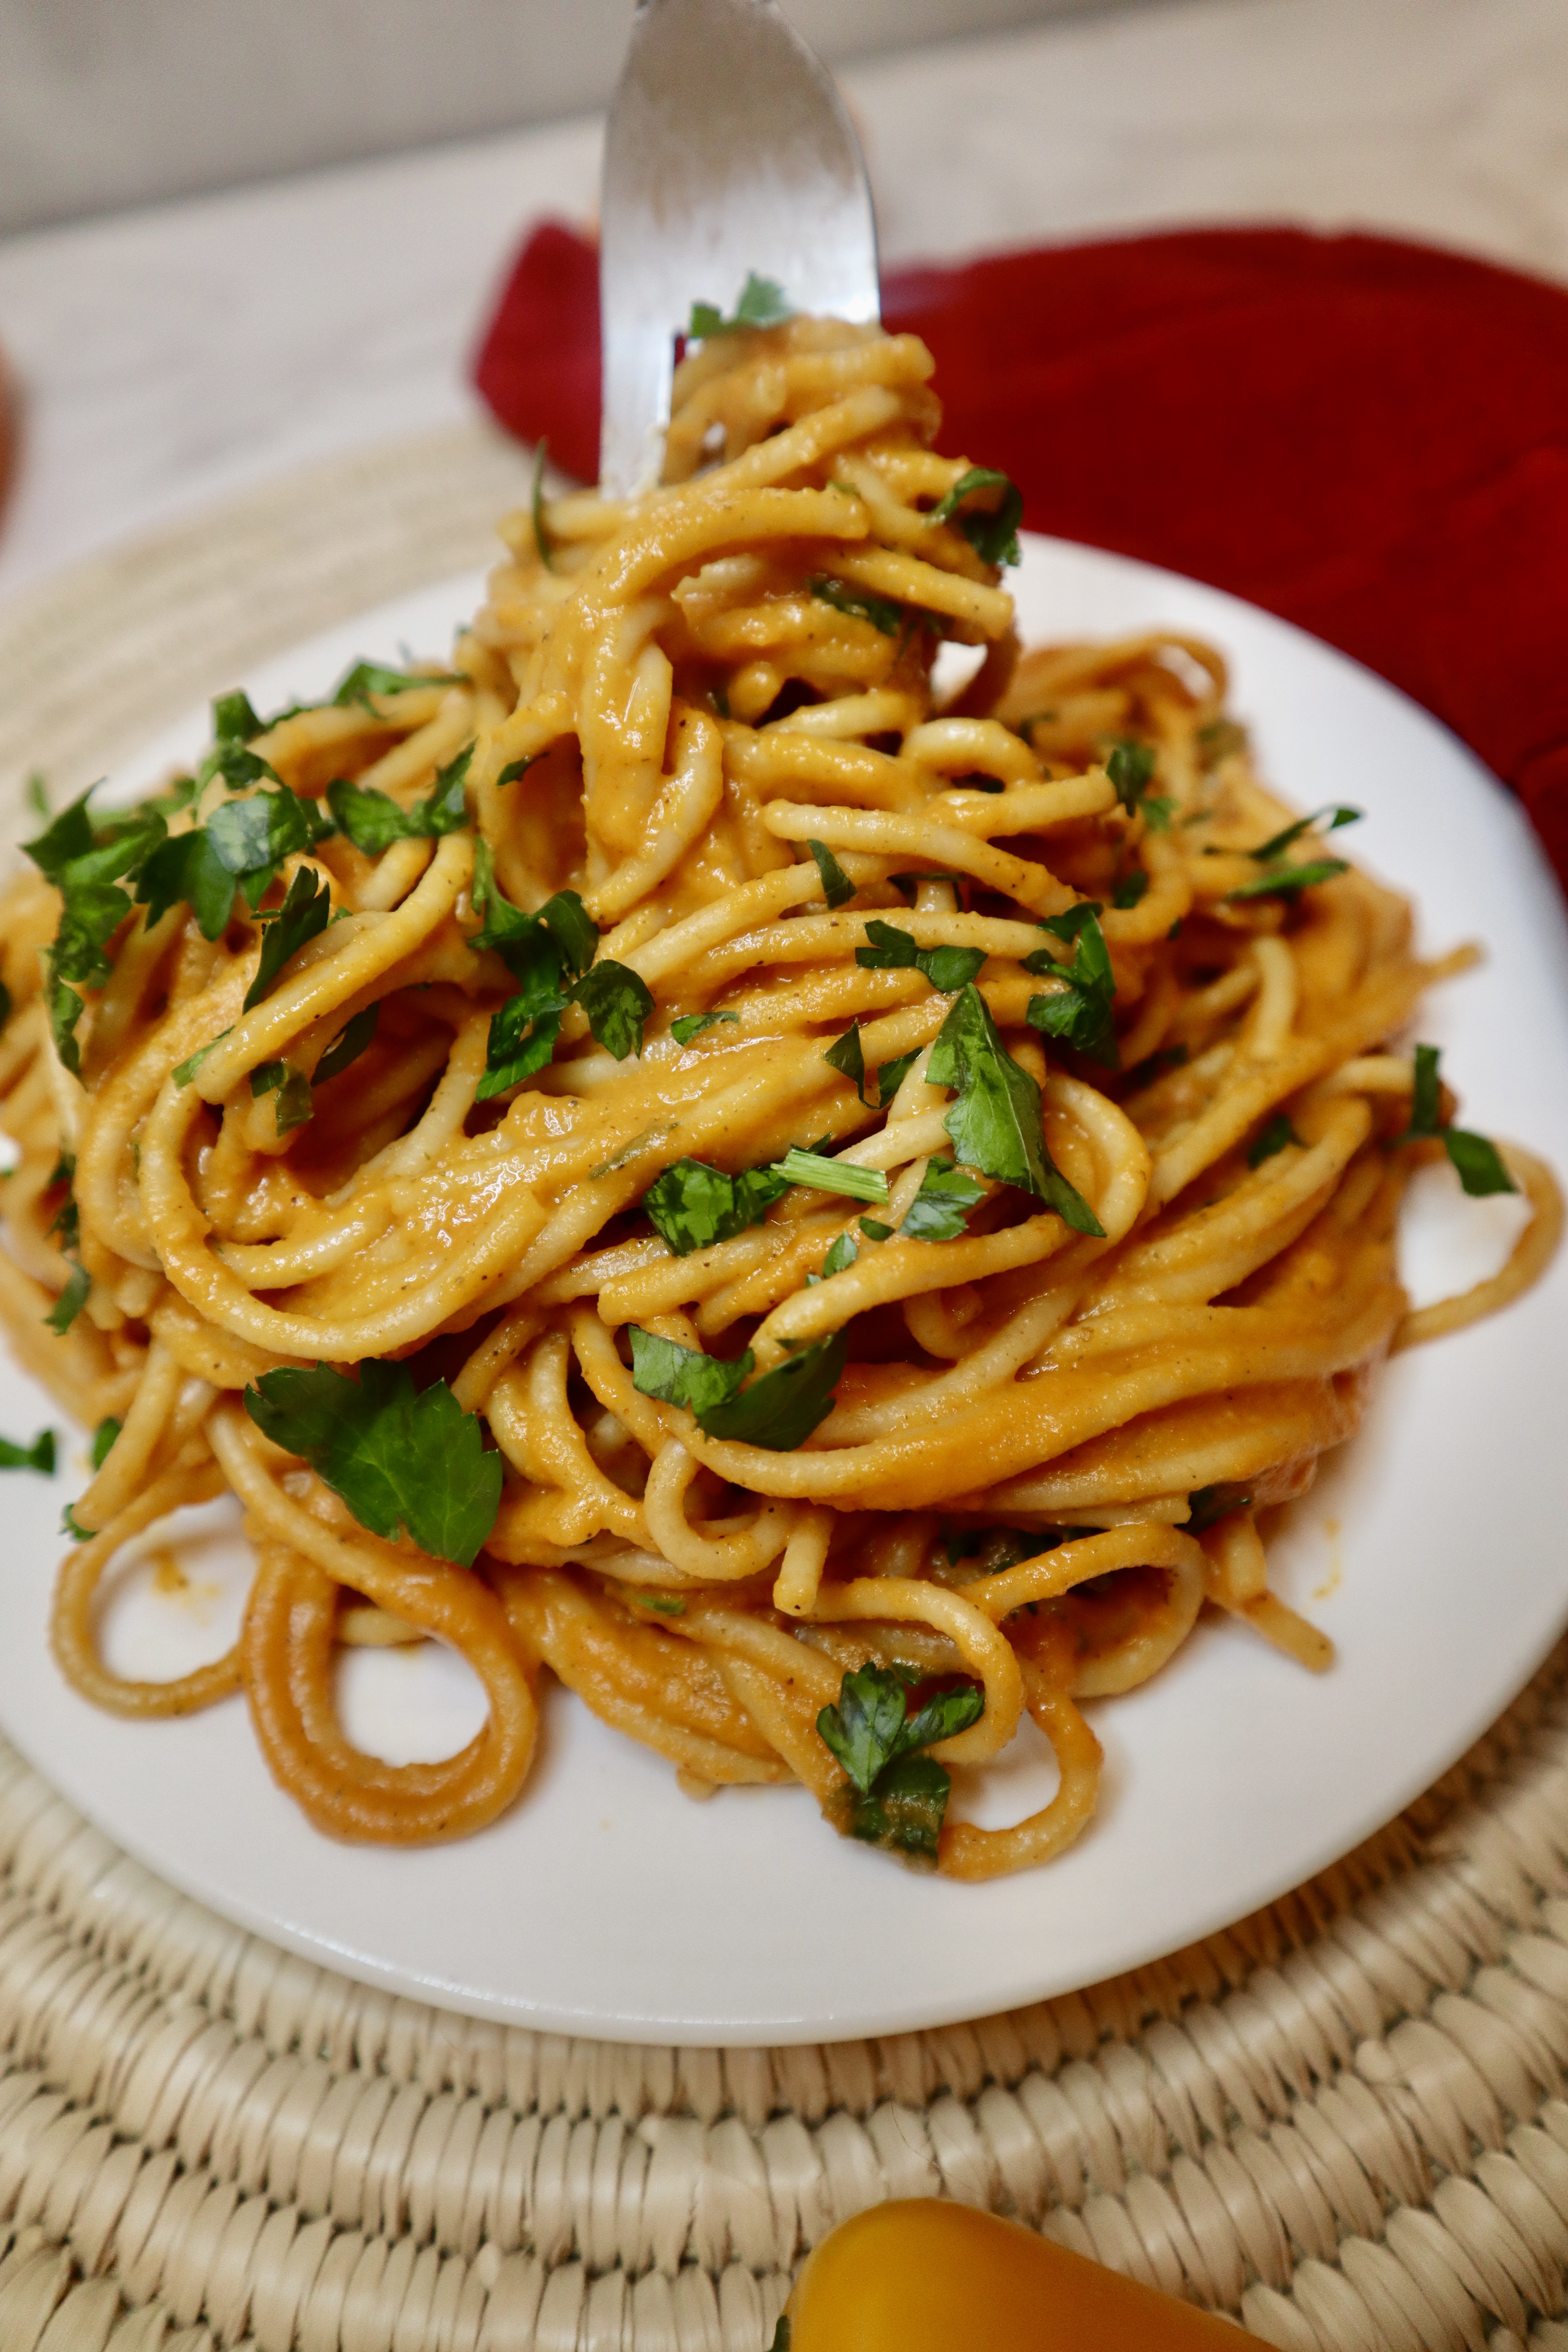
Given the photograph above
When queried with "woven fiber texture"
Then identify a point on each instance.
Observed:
(1342, 2122)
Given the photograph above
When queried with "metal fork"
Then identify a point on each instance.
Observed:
(729, 151)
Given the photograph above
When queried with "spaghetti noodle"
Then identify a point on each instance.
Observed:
(823, 1214)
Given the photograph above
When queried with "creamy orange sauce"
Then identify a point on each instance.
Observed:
(922, 2275)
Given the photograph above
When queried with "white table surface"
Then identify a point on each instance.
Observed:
(172, 356)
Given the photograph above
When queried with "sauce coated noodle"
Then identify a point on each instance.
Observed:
(669, 703)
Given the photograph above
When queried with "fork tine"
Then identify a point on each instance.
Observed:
(729, 150)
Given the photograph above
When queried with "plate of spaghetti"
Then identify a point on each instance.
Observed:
(806, 1175)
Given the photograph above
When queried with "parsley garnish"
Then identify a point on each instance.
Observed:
(396, 1458)
(1336, 814)
(540, 951)
(292, 1088)
(86, 864)
(836, 887)
(1206, 1504)
(779, 1411)
(103, 1438)
(692, 1205)
(241, 846)
(303, 914)
(183, 1072)
(823, 1175)
(995, 1123)
(1289, 881)
(842, 1255)
(39, 1455)
(67, 1220)
(895, 1797)
(1271, 1137)
(347, 1046)
(1477, 1162)
(874, 1228)
(373, 821)
(70, 1302)
(1082, 1012)
(536, 506)
(940, 1210)
(1131, 767)
(890, 1076)
(892, 949)
(860, 604)
(846, 1054)
(234, 719)
(617, 1003)
(1130, 889)
(365, 678)
(1219, 739)
(689, 1025)
(762, 303)
(516, 767)
(992, 532)
(683, 1376)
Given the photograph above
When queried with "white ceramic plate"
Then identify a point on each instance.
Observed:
(606, 1903)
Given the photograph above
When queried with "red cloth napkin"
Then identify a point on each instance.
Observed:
(1368, 438)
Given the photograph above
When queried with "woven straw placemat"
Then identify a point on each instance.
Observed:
(1339, 2122)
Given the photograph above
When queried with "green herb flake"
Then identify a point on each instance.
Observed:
(995, 1123)
(541, 540)
(1271, 1137)
(691, 1205)
(940, 1210)
(823, 1175)
(762, 303)
(70, 1302)
(618, 1003)
(874, 1228)
(992, 533)
(1289, 881)
(293, 1105)
(1081, 1014)
(890, 1076)
(38, 1456)
(1336, 814)
(843, 1254)
(689, 1025)
(847, 1055)
(103, 1438)
(514, 769)
(683, 1376)
(1477, 1162)
(234, 719)
(397, 1459)
(1130, 768)
(892, 949)
(1209, 1505)
(780, 1411)
(836, 887)
(882, 612)
(183, 1072)
(367, 679)
(301, 919)
(895, 1797)
(348, 1045)
(372, 819)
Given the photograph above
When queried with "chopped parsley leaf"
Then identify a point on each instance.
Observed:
(995, 1123)
(1081, 1013)
(691, 1205)
(992, 532)
(892, 949)
(103, 1438)
(372, 819)
(1272, 1137)
(348, 1045)
(762, 303)
(1130, 889)
(940, 1210)
(1336, 814)
(70, 1302)
(536, 507)
(396, 1458)
(836, 887)
(882, 612)
(895, 1797)
(687, 1025)
(1477, 1162)
(1289, 881)
(38, 1456)
(302, 916)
